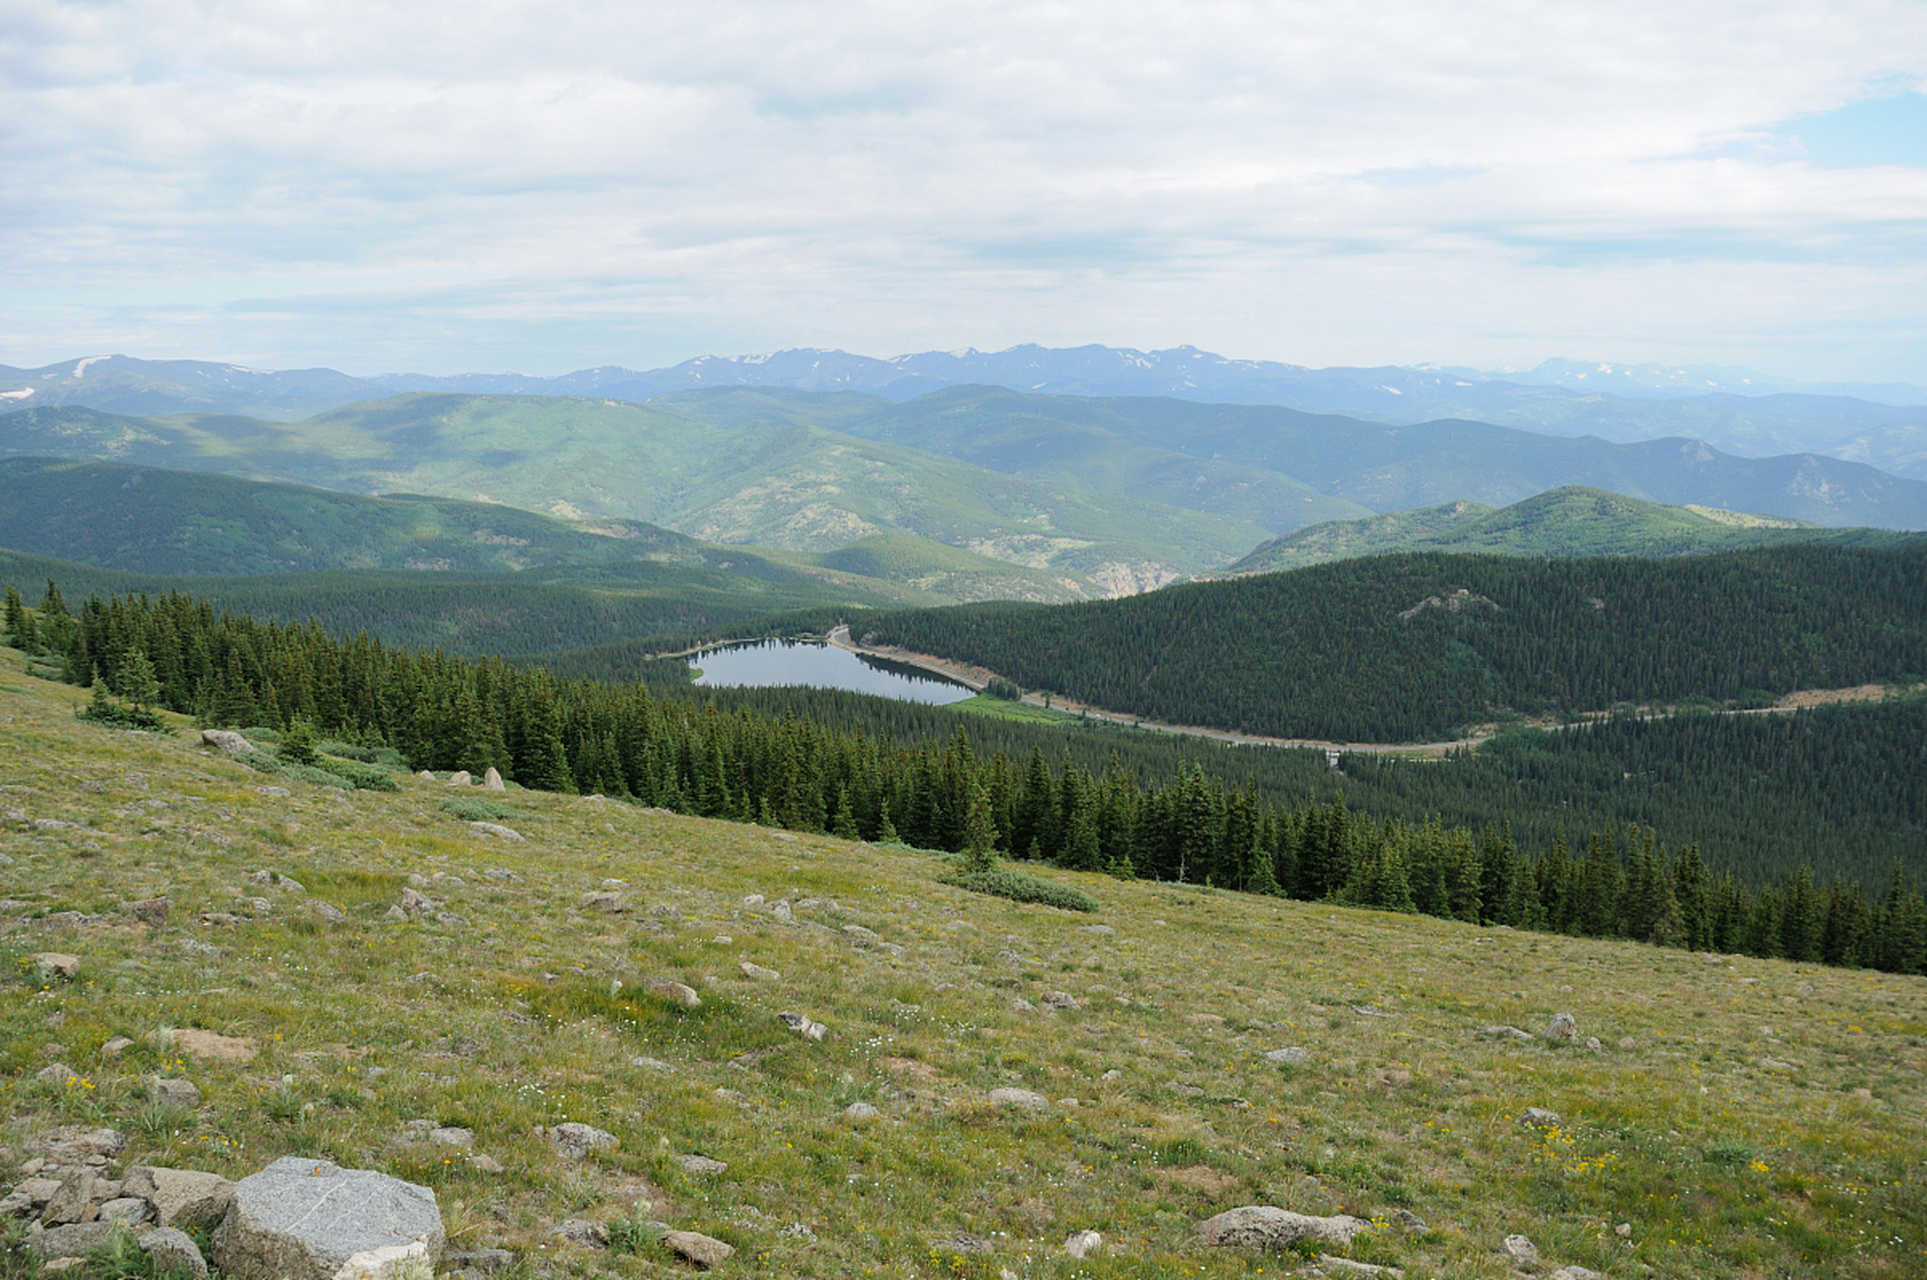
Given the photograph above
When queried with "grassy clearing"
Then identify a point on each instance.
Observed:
(1761, 1118)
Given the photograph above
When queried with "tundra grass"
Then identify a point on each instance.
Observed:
(1746, 1118)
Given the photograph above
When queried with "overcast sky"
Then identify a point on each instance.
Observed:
(507, 185)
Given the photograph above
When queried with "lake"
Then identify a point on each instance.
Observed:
(794, 662)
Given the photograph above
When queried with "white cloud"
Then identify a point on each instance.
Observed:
(548, 186)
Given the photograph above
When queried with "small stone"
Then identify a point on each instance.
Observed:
(573, 1141)
(1288, 1057)
(1627, 1042)
(127, 1210)
(1060, 1000)
(798, 1231)
(678, 994)
(781, 910)
(651, 1064)
(48, 965)
(415, 903)
(1562, 1027)
(196, 1043)
(803, 1026)
(426, 776)
(1540, 1117)
(152, 912)
(497, 830)
(964, 1243)
(753, 901)
(606, 901)
(1112, 1074)
(484, 1164)
(1336, 1266)
(452, 1136)
(1020, 1099)
(58, 1074)
(115, 1047)
(492, 780)
(1505, 1033)
(860, 1111)
(1410, 1221)
(174, 1093)
(582, 1232)
(1624, 1230)
(1592, 1043)
(460, 778)
(702, 1166)
(1022, 1005)
(700, 1250)
(327, 912)
(1575, 1272)
(173, 1251)
(1519, 1249)
(1083, 1244)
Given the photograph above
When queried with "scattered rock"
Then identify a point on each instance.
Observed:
(702, 1166)
(484, 1164)
(173, 1250)
(78, 1144)
(1410, 1221)
(1520, 1250)
(603, 900)
(1592, 1043)
(1268, 1227)
(1288, 1057)
(48, 965)
(180, 1195)
(426, 775)
(303, 1219)
(1022, 1005)
(1112, 1074)
(129, 1211)
(1539, 1116)
(652, 1064)
(1505, 1033)
(963, 1243)
(151, 912)
(573, 1141)
(1101, 930)
(75, 1240)
(1624, 1230)
(460, 778)
(452, 1136)
(227, 742)
(497, 830)
(1083, 1244)
(174, 1093)
(1575, 1273)
(781, 910)
(58, 1074)
(694, 1247)
(1060, 1000)
(1335, 1266)
(582, 1232)
(210, 1045)
(679, 994)
(1627, 1042)
(1020, 1099)
(71, 1202)
(492, 780)
(115, 1047)
(798, 1231)
(860, 1111)
(802, 1026)
(328, 912)
(1562, 1027)
(862, 937)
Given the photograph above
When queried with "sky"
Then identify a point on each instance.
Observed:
(502, 185)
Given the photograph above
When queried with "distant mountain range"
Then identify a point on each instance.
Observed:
(1074, 496)
(1735, 410)
(1566, 523)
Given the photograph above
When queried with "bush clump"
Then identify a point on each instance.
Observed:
(1021, 886)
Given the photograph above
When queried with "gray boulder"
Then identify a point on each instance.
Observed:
(694, 1247)
(802, 1025)
(1289, 1057)
(1539, 1117)
(584, 1232)
(1020, 1099)
(492, 780)
(1267, 1227)
(174, 1252)
(69, 1204)
(173, 1092)
(1562, 1027)
(129, 1211)
(227, 742)
(311, 1220)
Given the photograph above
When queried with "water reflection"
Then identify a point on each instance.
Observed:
(796, 662)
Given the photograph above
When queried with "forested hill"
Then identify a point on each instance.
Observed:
(1413, 647)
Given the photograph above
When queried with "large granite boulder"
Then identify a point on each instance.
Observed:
(1268, 1227)
(311, 1220)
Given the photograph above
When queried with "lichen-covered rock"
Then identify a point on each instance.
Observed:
(573, 1141)
(75, 1240)
(1562, 1027)
(173, 1252)
(1020, 1099)
(311, 1220)
(1268, 1227)
(694, 1247)
(180, 1196)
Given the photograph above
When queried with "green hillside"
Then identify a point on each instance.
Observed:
(801, 488)
(1744, 1117)
(1285, 468)
(1410, 647)
(1572, 522)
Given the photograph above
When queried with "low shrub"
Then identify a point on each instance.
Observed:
(1021, 886)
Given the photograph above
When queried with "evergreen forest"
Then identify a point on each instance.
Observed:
(747, 763)
(1420, 646)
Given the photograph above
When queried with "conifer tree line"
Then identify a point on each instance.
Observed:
(628, 741)
(1402, 648)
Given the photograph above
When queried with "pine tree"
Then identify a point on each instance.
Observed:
(886, 829)
(137, 682)
(980, 835)
(298, 744)
(843, 825)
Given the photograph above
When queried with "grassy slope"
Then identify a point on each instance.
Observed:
(1721, 1164)
(1570, 522)
(798, 487)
